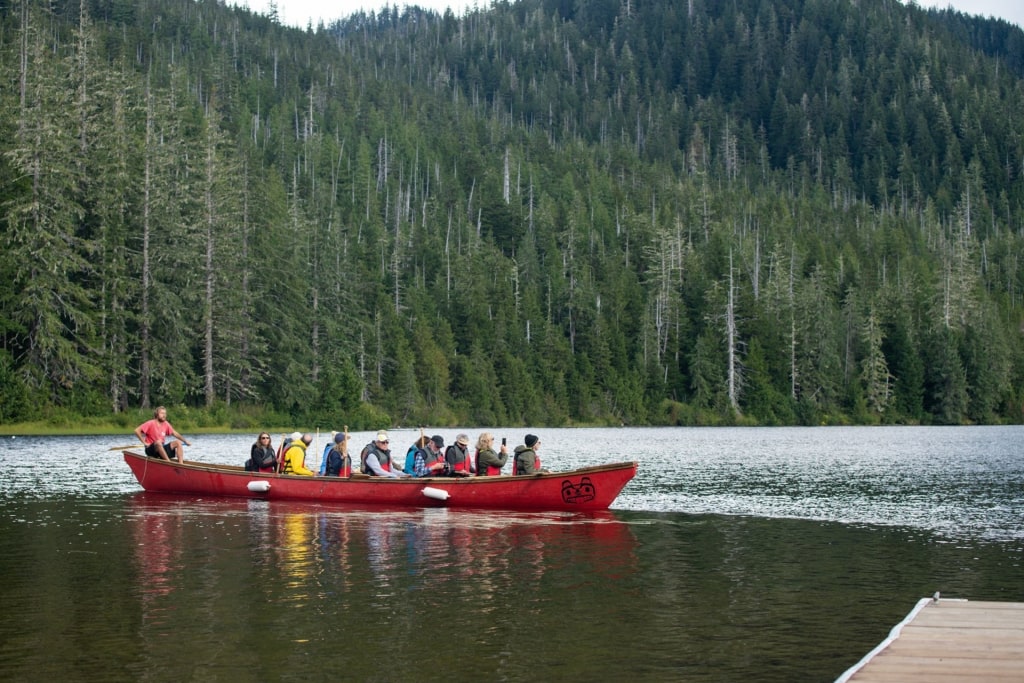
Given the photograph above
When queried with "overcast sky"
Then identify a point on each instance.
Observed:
(301, 12)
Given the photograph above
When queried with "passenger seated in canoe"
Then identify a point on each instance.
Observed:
(327, 451)
(154, 434)
(375, 458)
(295, 457)
(527, 461)
(339, 464)
(410, 455)
(262, 456)
(428, 461)
(488, 462)
(282, 448)
(457, 456)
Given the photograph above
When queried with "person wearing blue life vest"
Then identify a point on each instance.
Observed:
(410, 455)
(327, 449)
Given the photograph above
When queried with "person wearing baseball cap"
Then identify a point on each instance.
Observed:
(375, 459)
(428, 461)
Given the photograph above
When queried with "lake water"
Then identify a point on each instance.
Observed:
(780, 554)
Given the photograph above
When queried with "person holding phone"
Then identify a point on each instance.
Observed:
(489, 462)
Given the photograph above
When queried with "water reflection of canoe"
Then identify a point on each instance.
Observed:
(587, 488)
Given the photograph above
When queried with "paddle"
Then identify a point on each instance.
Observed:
(280, 455)
(125, 448)
(344, 452)
(344, 444)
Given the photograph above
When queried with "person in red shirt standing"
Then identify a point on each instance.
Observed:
(154, 433)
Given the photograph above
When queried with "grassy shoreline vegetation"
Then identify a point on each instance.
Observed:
(244, 420)
(184, 419)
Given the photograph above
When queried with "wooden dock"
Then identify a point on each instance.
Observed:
(949, 640)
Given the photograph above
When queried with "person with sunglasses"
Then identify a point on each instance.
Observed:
(262, 456)
(375, 459)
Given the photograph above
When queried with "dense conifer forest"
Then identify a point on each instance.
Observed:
(543, 213)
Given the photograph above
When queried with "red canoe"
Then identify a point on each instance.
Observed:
(588, 488)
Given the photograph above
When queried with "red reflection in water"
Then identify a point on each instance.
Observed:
(304, 549)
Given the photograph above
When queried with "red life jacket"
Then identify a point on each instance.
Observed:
(492, 471)
(383, 458)
(430, 457)
(458, 458)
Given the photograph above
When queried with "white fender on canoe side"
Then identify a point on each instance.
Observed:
(259, 486)
(436, 494)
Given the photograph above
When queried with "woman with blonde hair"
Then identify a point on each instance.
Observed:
(489, 462)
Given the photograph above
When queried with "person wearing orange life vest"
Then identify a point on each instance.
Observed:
(527, 460)
(488, 462)
(457, 457)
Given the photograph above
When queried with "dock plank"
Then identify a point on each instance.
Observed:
(949, 640)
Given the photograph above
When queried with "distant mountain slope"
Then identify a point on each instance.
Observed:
(541, 213)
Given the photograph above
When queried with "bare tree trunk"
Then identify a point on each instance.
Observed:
(147, 214)
(209, 278)
(792, 331)
(730, 332)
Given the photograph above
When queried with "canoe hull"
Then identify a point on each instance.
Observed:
(589, 488)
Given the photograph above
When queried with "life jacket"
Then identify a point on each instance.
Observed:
(430, 457)
(383, 457)
(259, 461)
(424, 454)
(323, 458)
(281, 449)
(491, 470)
(286, 468)
(410, 459)
(458, 458)
(536, 462)
(338, 464)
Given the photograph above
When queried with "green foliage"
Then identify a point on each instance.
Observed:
(388, 221)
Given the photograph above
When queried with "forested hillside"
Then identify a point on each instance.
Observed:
(547, 212)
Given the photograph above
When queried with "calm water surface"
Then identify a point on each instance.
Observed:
(736, 554)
